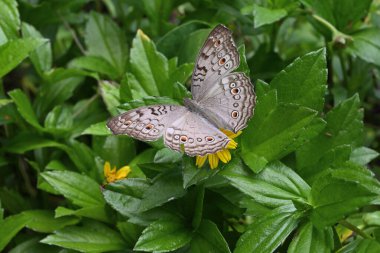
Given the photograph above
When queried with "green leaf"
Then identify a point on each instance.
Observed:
(33, 245)
(303, 82)
(80, 189)
(342, 15)
(193, 175)
(105, 39)
(42, 57)
(372, 219)
(166, 187)
(58, 86)
(344, 127)
(149, 66)
(268, 232)
(118, 150)
(24, 142)
(92, 237)
(329, 194)
(164, 236)
(273, 130)
(366, 45)
(10, 20)
(274, 186)
(125, 195)
(10, 226)
(110, 94)
(191, 46)
(174, 38)
(98, 129)
(95, 64)
(363, 155)
(59, 120)
(24, 107)
(207, 238)
(167, 155)
(265, 16)
(130, 232)
(14, 52)
(93, 212)
(361, 246)
(43, 221)
(313, 240)
(243, 67)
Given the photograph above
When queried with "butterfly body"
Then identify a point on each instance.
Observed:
(221, 100)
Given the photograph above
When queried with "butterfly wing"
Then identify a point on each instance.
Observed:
(145, 123)
(232, 106)
(195, 134)
(217, 58)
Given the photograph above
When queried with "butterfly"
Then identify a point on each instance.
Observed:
(222, 99)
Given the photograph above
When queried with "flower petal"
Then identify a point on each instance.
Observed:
(230, 134)
(123, 172)
(224, 155)
(232, 144)
(107, 168)
(213, 160)
(200, 161)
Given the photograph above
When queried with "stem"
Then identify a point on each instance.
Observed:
(336, 34)
(344, 68)
(23, 170)
(75, 37)
(354, 228)
(326, 24)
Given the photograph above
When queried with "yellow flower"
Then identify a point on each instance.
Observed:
(224, 155)
(113, 175)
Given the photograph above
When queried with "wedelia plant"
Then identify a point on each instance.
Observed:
(302, 176)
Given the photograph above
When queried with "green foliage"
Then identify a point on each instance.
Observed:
(303, 178)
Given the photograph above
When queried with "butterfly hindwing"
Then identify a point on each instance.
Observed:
(217, 57)
(195, 134)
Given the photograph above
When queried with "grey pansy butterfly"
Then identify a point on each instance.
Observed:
(221, 99)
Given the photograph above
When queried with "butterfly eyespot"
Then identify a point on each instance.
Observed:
(191, 140)
(209, 139)
(127, 123)
(154, 131)
(234, 114)
(236, 104)
(176, 137)
(237, 97)
(228, 65)
(235, 91)
(199, 139)
(184, 138)
(220, 54)
(232, 85)
(149, 127)
(217, 43)
(222, 61)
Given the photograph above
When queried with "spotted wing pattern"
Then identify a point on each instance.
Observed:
(145, 123)
(195, 135)
(233, 105)
(217, 57)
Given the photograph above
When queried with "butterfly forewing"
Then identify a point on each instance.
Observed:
(217, 58)
(145, 123)
(232, 106)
